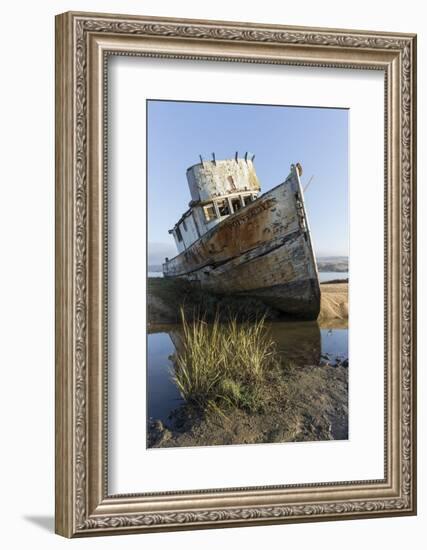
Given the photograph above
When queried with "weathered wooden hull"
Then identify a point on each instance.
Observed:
(263, 250)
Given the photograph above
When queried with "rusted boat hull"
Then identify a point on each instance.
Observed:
(263, 250)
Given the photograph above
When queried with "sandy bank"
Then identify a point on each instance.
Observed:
(334, 304)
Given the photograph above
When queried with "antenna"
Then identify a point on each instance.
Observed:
(309, 181)
(236, 156)
(213, 158)
(253, 157)
(246, 156)
(201, 158)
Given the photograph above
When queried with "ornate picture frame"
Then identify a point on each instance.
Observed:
(83, 43)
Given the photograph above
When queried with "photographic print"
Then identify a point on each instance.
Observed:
(247, 255)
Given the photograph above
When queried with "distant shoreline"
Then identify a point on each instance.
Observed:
(324, 265)
(334, 276)
(322, 269)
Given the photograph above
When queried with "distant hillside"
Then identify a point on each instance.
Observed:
(339, 264)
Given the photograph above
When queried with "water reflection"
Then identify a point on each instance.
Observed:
(303, 344)
(162, 394)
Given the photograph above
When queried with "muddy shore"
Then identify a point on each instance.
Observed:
(310, 403)
(165, 297)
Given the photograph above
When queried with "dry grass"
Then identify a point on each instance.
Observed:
(224, 365)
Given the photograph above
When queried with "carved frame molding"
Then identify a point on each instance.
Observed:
(83, 42)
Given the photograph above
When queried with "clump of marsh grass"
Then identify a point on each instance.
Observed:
(222, 365)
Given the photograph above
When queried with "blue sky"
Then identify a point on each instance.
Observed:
(279, 136)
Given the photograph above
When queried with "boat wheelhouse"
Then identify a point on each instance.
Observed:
(235, 240)
(218, 188)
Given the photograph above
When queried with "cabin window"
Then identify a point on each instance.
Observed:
(209, 211)
(223, 207)
(249, 198)
(184, 225)
(178, 234)
(236, 204)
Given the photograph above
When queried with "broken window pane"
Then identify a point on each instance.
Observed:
(236, 204)
(210, 213)
(224, 209)
(249, 198)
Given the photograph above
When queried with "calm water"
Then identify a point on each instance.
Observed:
(323, 275)
(302, 343)
(163, 395)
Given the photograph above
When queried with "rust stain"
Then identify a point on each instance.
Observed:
(264, 248)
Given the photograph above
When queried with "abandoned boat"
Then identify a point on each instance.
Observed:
(232, 240)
